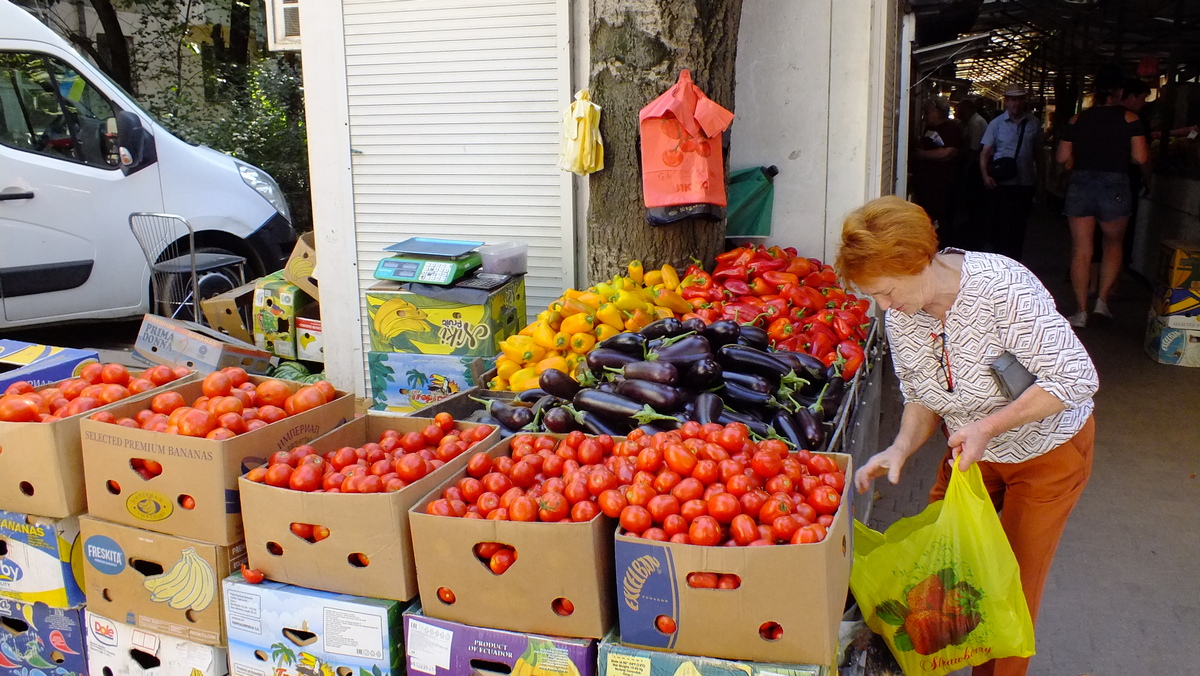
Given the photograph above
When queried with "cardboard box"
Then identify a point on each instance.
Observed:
(463, 405)
(1179, 266)
(401, 383)
(204, 469)
(41, 560)
(280, 630)
(800, 587)
(39, 364)
(276, 304)
(163, 583)
(445, 648)
(617, 659)
(466, 322)
(227, 312)
(119, 649)
(165, 341)
(41, 464)
(572, 561)
(1177, 308)
(302, 265)
(1177, 347)
(269, 512)
(37, 639)
(310, 344)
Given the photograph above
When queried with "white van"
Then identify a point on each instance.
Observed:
(68, 185)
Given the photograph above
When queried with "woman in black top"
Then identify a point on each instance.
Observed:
(1096, 146)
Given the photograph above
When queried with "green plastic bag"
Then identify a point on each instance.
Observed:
(943, 587)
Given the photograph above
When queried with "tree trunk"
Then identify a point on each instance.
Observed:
(638, 48)
(239, 32)
(117, 65)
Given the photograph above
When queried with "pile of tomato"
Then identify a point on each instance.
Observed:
(97, 385)
(230, 404)
(705, 485)
(389, 465)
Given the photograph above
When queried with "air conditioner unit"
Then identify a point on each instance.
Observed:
(283, 25)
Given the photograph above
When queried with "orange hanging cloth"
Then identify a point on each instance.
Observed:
(683, 173)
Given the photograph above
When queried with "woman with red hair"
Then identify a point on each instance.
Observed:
(950, 315)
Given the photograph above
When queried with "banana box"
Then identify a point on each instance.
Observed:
(1179, 265)
(1177, 308)
(40, 560)
(119, 649)
(402, 383)
(39, 364)
(458, 321)
(37, 639)
(310, 341)
(1166, 345)
(276, 629)
(617, 659)
(276, 304)
(301, 267)
(444, 648)
(161, 583)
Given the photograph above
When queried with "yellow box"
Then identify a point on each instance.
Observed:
(466, 323)
(276, 303)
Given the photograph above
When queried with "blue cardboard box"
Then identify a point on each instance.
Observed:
(40, 639)
(1177, 308)
(402, 382)
(42, 560)
(39, 364)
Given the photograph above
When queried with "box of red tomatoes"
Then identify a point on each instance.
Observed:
(170, 462)
(41, 466)
(517, 541)
(352, 537)
(729, 597)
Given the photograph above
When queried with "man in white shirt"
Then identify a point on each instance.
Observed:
(1015, 133)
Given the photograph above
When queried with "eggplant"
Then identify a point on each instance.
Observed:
(558, 383)
(755, 337)
(695, 324)
(664, 398)
(751, 360)
(602, 358)
(653, 371)
(757, 427)
(805, 365)
(597, 424)
(787, 428)
(607, 386)
(722, 333)
(743, 397)
(648, 429)
(559, 420)
(668, 327)
(607, 404)
(702, 374)
(748, 380)
(708, 408)
(509, 416)
(685, 351)
(629, 343)
(689, 410)
(533, 394)
(811, 428)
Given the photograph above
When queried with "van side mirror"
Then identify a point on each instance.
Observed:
(135, 145)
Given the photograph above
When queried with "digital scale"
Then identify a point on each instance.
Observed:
(429, 261)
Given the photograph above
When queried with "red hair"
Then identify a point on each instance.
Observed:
(886, 237)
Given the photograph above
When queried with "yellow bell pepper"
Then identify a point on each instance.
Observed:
(505, 367)
(652, 277)
(604, 331)
(591, 299)
(528, 330)
(524, 374)
(498, 385)
(522, 349)
(574, 306)
(571, 293)
(543, 335)
(635, 271)
(578, 323)
(670, 277)
(574, 360)
(522, 385)
(663, 312)
(672, 300)
(562, 341)
(582, 343)
(609, 314)
(605, 290)
(638, 320)
(628, 302)
(556, 362)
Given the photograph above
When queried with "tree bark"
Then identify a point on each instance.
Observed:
(638, 48)
(117, 64)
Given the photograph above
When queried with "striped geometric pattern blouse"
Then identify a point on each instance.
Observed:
(1000, 306)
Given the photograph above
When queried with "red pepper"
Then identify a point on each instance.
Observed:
(834, 295)
(767, 264)
(799, 267)
(719, 293)
(735, 257)
(797, 313)
(781, 329)
(738, 287)
(709, 315)
(791, 251)
(741, 312)
(750, 300)
(761, 287)
(780, 279)
(693, 292)
(733, 272)
(844, 329)
(852, 357)
(776, 252)
(779, 304)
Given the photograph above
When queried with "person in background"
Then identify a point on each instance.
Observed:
(936, 175)
(1012, 199)
(1096, 146)
(949, 315)
(968, 233)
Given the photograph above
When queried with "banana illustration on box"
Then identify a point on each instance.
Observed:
(189, 584)
(543, 658)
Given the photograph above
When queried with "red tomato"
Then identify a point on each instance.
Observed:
(665, 623)
(269, 413)
(584, 511)
(600, 480)
(666, 481)
(305, 399)
(114, 374)
(835, 480)
(705, 531)
(502, 560)
(703, 580)
(724, 507)
(825, 499)
(639, 494)
(523, 508)
(16, 408)
(553, 507)
(140, 385)
(487, 502)
(784, 527)
(733, 437)
(216, 384)
(776, 506)
(278, 475)
(635, 519)
(612, 502)
(650, 460)
(766, 464)
(679, 460)
(821, 464)
(270, 393)
(662, 506)
(674, 524)
(743, 529)
(692, 509)
(809, 534)
(445, 421)
(688, 489)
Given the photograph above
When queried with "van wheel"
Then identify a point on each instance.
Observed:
(175, 299)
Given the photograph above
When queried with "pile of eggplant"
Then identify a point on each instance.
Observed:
(672, 372)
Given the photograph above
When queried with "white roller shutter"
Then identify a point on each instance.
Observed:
(454, 110)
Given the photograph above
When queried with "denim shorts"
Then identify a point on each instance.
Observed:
(1102, 194)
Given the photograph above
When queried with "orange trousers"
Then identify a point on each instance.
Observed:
(1034, 499)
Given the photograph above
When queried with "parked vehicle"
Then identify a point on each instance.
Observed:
(77, 157)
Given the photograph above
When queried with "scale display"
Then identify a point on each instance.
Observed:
(429, 261)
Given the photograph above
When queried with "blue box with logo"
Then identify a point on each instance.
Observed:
(39, 364)
(41, 560)
(402, 383)
(40, 639)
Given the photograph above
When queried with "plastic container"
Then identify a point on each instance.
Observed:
(505, 258)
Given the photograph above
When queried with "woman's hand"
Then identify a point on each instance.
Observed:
(888, 461)
(969, 443)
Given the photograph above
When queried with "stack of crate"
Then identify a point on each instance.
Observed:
(1173, 334)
